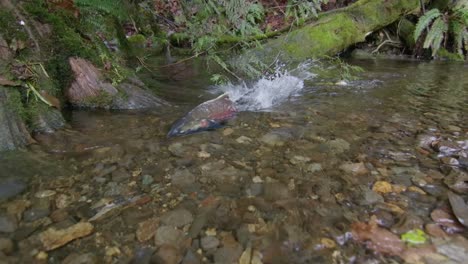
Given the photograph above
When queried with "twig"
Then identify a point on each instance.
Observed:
(134, 24)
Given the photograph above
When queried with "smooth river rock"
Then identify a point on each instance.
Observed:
(177, 218)
(53, 238)
(91, 90)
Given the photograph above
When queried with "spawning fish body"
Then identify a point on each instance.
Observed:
(208, 115)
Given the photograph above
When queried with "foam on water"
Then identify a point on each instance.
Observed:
(268, 91)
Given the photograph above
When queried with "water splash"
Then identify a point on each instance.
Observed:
(269, 91)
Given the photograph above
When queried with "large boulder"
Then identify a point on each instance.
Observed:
(91, 90)
(13, 132)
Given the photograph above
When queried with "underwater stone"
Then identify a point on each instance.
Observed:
(177, 218)
(8, 224)
(10, 188)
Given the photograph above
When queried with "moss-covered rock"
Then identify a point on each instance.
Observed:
(13, 132)
(5, 54)
(11, 28)
(91, 90)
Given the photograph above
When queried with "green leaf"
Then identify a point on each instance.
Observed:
(424, 21)
(414, 237)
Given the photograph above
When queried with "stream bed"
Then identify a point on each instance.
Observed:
(328, 173)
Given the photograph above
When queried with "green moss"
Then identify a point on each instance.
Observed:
(329, 37)
(137, 39)
(10, 27)
(103, 100)
(42, 82)
(137, 44)
(34, 109)
(15, 104)
(65, 42)
(336, 30)
(445, 54)
(66, 37)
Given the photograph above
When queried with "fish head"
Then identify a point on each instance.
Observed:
(186, 127)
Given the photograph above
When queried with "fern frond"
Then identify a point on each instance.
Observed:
(204, 43)
(213, 7)
(424, 21)
(465, 38)
(436, 35)
(112, 7)
(457, 29)
(303, 9)
(235, 9)
(436, 42)
(255, 13)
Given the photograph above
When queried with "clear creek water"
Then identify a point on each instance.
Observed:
(286, 178)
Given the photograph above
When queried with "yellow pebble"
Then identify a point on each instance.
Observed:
(328, 243)
(382, 187)
(416, 189)
(42, 255)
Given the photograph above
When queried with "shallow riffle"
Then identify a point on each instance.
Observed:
(282, 186)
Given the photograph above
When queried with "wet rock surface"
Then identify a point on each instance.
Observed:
(91, 90)
(373, 179)
(48, 121)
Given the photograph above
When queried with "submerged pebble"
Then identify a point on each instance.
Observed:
(459, 207)
(8, 224)
(293, 185)
(11, 187)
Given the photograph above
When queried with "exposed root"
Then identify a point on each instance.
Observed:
(388, 41)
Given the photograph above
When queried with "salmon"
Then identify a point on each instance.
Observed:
(209, 115)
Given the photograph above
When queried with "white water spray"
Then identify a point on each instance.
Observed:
(268, 91)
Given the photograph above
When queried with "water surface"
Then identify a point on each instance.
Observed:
(294, 168)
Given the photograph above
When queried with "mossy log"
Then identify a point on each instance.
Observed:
(336, 30)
